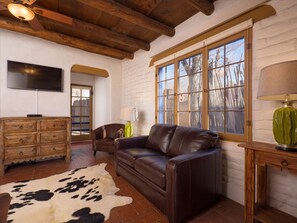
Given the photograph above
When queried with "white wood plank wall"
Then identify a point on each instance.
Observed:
(274, 40)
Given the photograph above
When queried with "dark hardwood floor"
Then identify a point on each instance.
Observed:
(141, 210)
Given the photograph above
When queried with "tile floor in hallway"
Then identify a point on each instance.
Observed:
(140, 210)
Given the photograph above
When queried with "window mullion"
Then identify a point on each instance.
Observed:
(247, 87)
(156, 95)
(176, 72)
(205, 89)
(225, 93)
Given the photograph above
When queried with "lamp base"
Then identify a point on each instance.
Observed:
(288, 148)
(128, 129)
(285, 127)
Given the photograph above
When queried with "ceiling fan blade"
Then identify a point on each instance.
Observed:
(28, 2)
(35, 24)
(53, 15)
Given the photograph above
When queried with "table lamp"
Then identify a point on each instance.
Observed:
(279, 82)
(129, 114)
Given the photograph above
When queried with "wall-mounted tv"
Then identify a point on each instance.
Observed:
(33, 77)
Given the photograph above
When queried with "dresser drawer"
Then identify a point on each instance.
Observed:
(20, 126)
(53, 150)
(20, 139)
(48, 125)
(50, 137)
(20, 153)
(276, 160)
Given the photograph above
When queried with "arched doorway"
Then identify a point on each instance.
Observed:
(82, 84)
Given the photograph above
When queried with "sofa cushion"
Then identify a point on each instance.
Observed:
(153, 168)
(189, 139)
(128, 156)
(160, 136)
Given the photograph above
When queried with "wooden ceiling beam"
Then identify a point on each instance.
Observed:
(106, 34)
(13, 25)
(116, 9)
(111, 35)
(103, 32)
(204, 6)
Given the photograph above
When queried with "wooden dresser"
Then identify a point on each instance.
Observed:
(258, 156)
(32, 139)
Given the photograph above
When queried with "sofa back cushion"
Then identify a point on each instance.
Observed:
(189, 139)
(160, 136)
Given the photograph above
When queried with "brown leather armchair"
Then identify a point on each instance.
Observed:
(104, 136)
(4, 206)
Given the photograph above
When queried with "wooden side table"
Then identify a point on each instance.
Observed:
(257, 156)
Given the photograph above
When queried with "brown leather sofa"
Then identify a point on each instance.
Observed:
(4, 206)
(177, 168)
(104, 136)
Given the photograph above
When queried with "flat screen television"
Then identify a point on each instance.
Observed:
(33, 77)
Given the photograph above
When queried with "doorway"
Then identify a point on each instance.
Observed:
(81, 112)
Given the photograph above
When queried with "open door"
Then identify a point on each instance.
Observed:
(81, 112)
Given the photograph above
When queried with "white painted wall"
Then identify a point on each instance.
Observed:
(23, 48)
(83, 79)
(102, 102)
(275, 40)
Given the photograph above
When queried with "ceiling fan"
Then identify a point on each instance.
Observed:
(25, 10)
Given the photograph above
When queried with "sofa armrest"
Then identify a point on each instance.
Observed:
(96, 134)
(193, 182)
(125, 143)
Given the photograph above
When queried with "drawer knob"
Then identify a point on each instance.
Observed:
(21, 140)
(54, 148)
(284, 163)
(21, 127)
(21, 153)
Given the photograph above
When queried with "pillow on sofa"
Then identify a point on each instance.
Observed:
(189, 139)
(160, 136)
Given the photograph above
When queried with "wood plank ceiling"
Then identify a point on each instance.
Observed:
(115, 28)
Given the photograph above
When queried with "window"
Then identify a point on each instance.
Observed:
(165, 94)
(189, 92)
(208, 88)
(226, 87)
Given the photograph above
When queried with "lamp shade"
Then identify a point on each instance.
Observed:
(21, 11)
(129, 114)
(279, 82)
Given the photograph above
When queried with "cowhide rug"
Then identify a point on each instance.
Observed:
(78, 196)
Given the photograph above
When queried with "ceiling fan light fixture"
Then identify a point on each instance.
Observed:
(20, 11)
